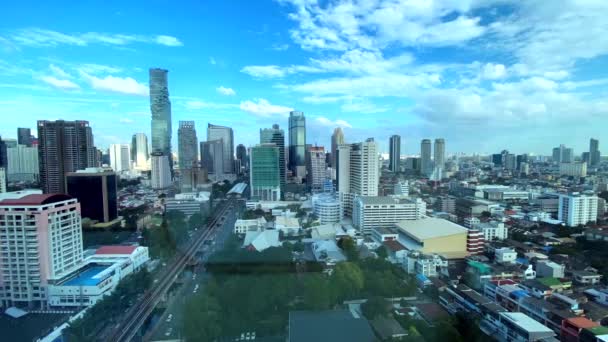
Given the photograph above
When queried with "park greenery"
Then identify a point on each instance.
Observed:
(163, 241)
(109, 309)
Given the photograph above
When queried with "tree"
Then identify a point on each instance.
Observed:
(381, 252)
(486, 214)
(347, 244)
(315, 292)
(195, 221)
(374, 307)
(604, 195)
(347, 280)
(202, 319)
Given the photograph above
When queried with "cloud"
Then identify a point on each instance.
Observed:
(225, 91)
(60, 83)
(280, 47)
(264, 71)
(38, 37)
(493, 71)
(195, 104)
(323, 121)
(57, 71)
(121, 85)
(261, 107)
(126, 120)
(91, 68)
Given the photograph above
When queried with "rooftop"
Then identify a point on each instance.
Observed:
(87, 276)
(36, 199)
(429, 228)
(328, 326)
(383, 200)
(582, 322)
(394, 246)
(116, 250)
(525, 322)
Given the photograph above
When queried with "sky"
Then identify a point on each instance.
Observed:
(484, 75)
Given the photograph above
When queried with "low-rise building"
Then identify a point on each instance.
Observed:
(288, 225)
(189, 203)
(586, 278)
(434, 236)
(382, 234)
(516, 326)
(261, 240)
(505, 255)
(244, 226)
(379, 211)
(550, 269)
(572, 327)
(493, 230)
(573, 169)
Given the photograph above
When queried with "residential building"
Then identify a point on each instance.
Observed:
(24, 137)
(573, 169)
(139, 152)
(327, 207)
(493, 230)
(475, 242)
(426, 166)
(226, 135)
(586, 278)
(337, 139)
(375, 211)
(96, 190)
(439, 154)
(3, 182)
(212, 157)
(22, 163)
(357, 172)
(434, 236)
(505, 255)
(265, 180)
(187, 144)
(120, 157)
(428, 265)
(446, 204)
(516, 326)
(297, 144)
(550, 269)
(394, 154)
(41, 241)
(572, 327)
(510, 162)
(63, 146)
(577, 209)
(161, 171)
(316, 173)
(276, 136)
(402, 188)
(594, 153)
(470, 221)
(253, 225)
(160, 108)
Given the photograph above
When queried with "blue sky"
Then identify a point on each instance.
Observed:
(484, 75)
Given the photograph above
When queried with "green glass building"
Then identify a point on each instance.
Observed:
(265, 180)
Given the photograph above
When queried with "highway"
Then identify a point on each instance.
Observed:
(137, 315)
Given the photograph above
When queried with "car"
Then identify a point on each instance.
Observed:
(169, 331)
(169, 318)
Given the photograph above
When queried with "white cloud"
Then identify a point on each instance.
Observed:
(195, 104)
(168, 41)
(60, 83)
(225, 91)
(264, 71)
(493, 71)
(323, 121)
(126, 120)
(38, 37)
(91, 68)
(121, 85)
(57, 71)
(261, 107)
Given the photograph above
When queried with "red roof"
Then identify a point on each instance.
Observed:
(36, 199)
(394, 246)
(582, 322)
(116, 249)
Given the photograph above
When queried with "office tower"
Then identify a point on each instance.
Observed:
(557, 154)
(161, 171)
(510, 162)
(241, 155)
(586, 158)
(394, 153)
(567, 155)
(357, 172)
(521, 158)
(265, 180)
(160, 107)
(577, 209)
(47, 231)
(120, 157)
(276, 136)
(139, 151)
(497, 159)
(10, 143)
(63, 146)
(212, 157)
(96, 191)
(425, 157)
(3, 154)
(225, 134)
(3, 180)
(524, 168)
(297, 143)
(22, 164)
(337, 139)
(187, 145)
(594, 153)
(316, 173)
(24, 136)
(439, 151)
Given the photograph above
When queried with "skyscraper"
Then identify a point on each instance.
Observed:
(63, 146)
(594, 153)
(212, 157)
(187, 145)
(24, 136)
(315, 168)
(394, 153)
(567, 155)
(225, 134)
(276, 136)
(22, 163)
(357, 172)
(297, 143)
(439, 152)
(264, 172)
(425, 157)
(3, 154)
(161, 171)
(139, 151)
(337, 139)
(96, 191)
(160, 107)
(120, 157)
(241, 155)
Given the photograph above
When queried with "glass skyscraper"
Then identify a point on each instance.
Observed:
(264, 172)
(276, 136)
(139, 151)
(226, 135)
(426, 167)
(297, 143)
(394, 153)
(160, 107)
(187, 145)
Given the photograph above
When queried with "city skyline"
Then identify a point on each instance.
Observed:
(414, 85)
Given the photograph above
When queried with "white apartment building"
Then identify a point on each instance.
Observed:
(2, 180)
(253, 225)
(327, 207)
(402, 188)
(577, 209)
(492, 230)
(40, 241)
(22, 163)
(357, 172)
(573, 169)
(373, 212)
(161, 172)
(120, 157)
(505, 255)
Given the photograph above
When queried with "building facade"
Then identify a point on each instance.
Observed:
(276, 136)
(370, 212)
(327, 207)
(297, 143)
(22, 163)
(573, 169)
(394, 153)
(426, 166)
(316, 173)
(160, 107)
(161, 171)
(577, 209)
(226, 135)
(439, 154)
(337, 139)
(265, 180)
(120, 157)
(357, 172)
(140, 155)
(241, 156)
(212, 156)
(594, 152)
(187, 144)
(96, 190)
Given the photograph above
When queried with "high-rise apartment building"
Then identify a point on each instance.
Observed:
(264, 178)
(161, 171)
(316, 172)
(563, 154)
(357, 172)
(439, 154)
(337, 139)
(510, 162)
(594, 152)
(212, 157)
(63, 146)
(139, 152)
(96, 190)
(3, 180)
(22, 164)
(41, 242)
(276, 136)
(24, 136)
(573, 169)
(394, 153)
(120, 157)
(297, 143)
(226, 135)
(577, 209)
(426, 166)
(187, 145)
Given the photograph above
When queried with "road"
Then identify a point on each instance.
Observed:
(168, 326)
(130, 325)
